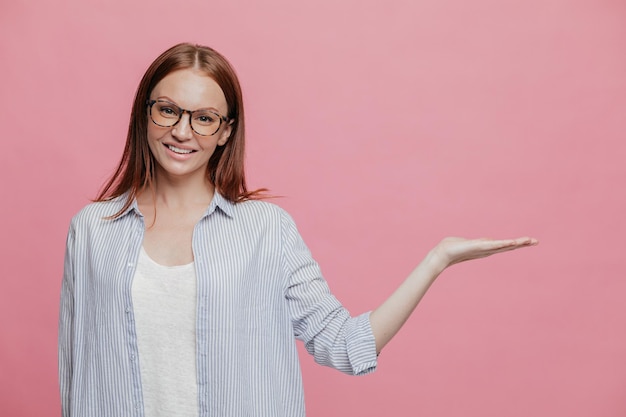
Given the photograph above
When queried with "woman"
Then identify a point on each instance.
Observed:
(183, 293)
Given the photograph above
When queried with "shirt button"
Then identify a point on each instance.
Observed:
(127, 309)
(137, 406)
(130, 264)
(132, 356)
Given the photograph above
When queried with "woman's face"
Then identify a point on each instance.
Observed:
(178, 150)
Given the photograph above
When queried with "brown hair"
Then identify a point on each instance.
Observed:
(225, 169)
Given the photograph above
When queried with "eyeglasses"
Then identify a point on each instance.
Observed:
(204, 122)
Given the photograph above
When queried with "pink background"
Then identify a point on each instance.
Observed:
(385, 126)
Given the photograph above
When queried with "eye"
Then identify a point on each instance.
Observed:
(167, 110)
(206, 118)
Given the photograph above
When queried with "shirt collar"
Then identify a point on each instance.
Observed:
(218, 201)
(121, 200)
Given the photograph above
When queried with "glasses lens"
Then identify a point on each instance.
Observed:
(164, 113)
(205, 122)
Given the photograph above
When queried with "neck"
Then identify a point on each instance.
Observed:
(179, 192)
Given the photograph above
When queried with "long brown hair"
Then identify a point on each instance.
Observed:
(225, 169)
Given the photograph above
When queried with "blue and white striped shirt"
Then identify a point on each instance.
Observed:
(258, 290)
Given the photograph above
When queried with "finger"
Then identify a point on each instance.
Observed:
(516, 244)
(527, 241)
(488, 247)
(502, 243)
(488, 244)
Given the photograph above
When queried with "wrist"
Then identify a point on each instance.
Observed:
(435, 262)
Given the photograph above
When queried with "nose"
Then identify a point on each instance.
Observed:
(182, 130)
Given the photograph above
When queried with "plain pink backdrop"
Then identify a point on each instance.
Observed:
(385, 126)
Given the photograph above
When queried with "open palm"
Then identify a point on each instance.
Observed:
(453, 250)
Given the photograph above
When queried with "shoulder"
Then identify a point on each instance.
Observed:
(263, 217)
(97, 212)
(261, 210)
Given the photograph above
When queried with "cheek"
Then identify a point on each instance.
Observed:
(153, 140)
(207, 145)
(152, 131)
(155, 133)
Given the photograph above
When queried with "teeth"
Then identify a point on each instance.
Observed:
(178, 150)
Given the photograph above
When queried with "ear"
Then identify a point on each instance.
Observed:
(225, 134)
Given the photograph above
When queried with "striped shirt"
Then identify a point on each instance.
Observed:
(258, 289)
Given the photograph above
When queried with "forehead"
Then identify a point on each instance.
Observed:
(191, 89)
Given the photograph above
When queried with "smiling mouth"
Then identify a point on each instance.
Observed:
(178, 150)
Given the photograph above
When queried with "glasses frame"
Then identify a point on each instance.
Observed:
(181, 112)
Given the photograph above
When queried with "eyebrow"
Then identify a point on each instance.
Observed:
(166, 98)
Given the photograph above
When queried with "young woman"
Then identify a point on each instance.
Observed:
(183, 293)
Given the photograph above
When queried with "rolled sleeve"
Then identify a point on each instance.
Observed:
(361, 345)
(330, 334)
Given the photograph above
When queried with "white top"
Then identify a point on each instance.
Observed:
(164, 301)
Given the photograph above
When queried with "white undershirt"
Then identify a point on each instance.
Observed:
(164, 302)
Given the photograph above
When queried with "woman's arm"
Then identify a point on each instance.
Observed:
(66, 327)
(389, 317)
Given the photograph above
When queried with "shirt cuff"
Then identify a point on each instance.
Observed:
(361, 346)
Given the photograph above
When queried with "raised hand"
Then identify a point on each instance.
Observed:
(453, 250)
(387, 319)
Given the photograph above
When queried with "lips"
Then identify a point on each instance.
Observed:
(179, 150)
